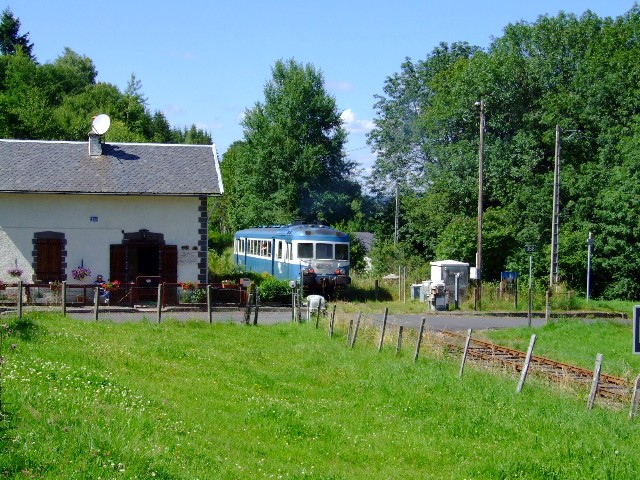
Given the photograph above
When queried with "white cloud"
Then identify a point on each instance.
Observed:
(182, 54)
(337, 85)
(354, 125)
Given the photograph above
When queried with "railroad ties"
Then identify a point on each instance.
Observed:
(611, 388)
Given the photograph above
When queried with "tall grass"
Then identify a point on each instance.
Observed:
(193, 400)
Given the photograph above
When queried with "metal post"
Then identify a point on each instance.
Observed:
(396, 219)
(530, 289)
(589, 246)
(480, 201)
(457, 291)
(555, 221)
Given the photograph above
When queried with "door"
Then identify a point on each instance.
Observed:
(169, 272)
(48, 260)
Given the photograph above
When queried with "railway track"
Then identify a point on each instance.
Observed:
(614, 389)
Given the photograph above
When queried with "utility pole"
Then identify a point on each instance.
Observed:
(397, 215)
(589, 247)
(553, 278)
(480, 200)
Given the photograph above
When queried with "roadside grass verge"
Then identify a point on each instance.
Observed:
(193, 400)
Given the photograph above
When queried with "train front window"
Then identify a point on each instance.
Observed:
(305, 250)
(342, 252)
(324, 251)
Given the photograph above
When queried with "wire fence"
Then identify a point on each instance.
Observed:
(205, 302)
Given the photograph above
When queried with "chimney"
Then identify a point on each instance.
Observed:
(95, 147)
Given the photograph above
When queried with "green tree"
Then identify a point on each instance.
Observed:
(580, 73)
(293, 163)
(10, 39)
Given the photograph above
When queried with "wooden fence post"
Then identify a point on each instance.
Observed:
(64, 299)
(349, 332)
(527, 361)
(547, 310)
(399, 344)
(464, 353)
(19, 299)
(634, 399)
(595, 382)
(257, 305)
(333, 317)
(209, 308)
(384, 326)
(159, 313)
(355, 331)
(415, 355)
(96, 303)
(247, 312)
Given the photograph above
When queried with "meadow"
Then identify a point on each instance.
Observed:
(192, 400)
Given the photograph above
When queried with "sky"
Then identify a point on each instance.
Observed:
(205, 62)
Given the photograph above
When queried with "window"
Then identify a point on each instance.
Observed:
(305, 250)
(324, 251)
(265, 248)
(239, 245)
(342, 252)
(279, 254)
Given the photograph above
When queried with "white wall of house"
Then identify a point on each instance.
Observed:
(91, 223)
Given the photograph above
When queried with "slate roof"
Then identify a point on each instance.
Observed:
(33, 166)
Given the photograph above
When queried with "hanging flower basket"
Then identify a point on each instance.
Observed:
(80, 273)
(15, 272)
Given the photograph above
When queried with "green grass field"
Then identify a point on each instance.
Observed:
(226, 401)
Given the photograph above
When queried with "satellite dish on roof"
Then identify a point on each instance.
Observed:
(100, 124)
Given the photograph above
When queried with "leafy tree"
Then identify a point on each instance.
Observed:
(292, 163)
(399, 137)
(10, 39)
(580, 73)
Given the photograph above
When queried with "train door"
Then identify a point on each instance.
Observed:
(279, 256)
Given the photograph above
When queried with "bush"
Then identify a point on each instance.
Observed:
(272, 289)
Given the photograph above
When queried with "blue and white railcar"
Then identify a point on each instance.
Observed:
(315, 254)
